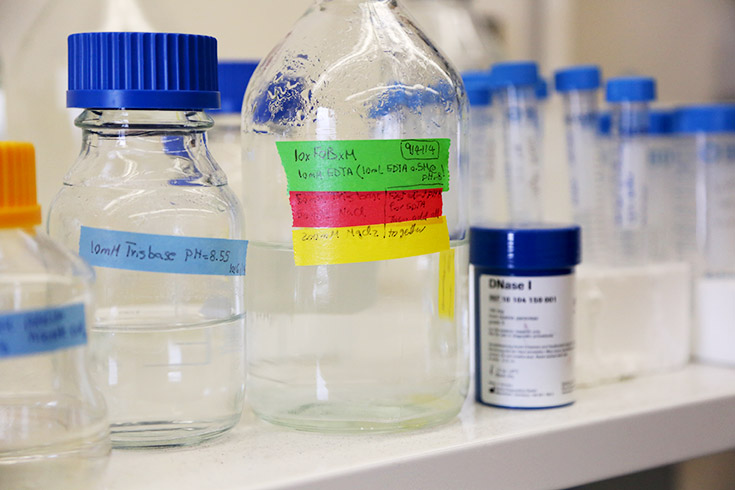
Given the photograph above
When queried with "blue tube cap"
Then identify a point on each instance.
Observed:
(582, 77)
(661, 122)
(630, 89)
(234, 77)
(538, 247)
(142, 70)
(478, 85)
(514, 73)
(542, 89)
(712, 118)
(604, 123)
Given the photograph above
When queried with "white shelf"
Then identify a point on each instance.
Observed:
(612, 430)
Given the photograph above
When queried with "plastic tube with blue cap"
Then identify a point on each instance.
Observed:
(578, 86)
(629, 98)
(224, 137)
(486, 203)
(707, 133)
(666, 196)
(514, 93)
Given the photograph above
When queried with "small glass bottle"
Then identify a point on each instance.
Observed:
(53, 425)
(147, 205)
(224, 138)
(354, 174)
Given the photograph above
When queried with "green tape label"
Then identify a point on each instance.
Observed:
(365, 165)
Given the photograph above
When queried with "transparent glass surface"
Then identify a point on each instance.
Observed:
(53, 426)
(168, 347)
(361, 346)
(223, 141)
(455, 27)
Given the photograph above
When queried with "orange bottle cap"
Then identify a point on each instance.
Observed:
(19, 207)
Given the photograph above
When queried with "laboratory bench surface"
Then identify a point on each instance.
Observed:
(611, 430)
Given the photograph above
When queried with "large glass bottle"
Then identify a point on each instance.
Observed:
(53, 425)
(353, 173)
(148, 207)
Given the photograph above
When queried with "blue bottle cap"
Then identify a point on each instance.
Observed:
(661, 122)
(582, 77)
(542, 89)
(142, 70)
(233, 80)
(604, 123)
(540, 247)
(713, 118)
(478, 85)
(514, 73)
(630, 89)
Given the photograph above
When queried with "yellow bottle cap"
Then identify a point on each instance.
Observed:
(19, 207)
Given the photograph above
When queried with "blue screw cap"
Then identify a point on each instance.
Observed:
(478, 85)
(233, 80)
(604, 123)
(142, 70)
(712, 118)
(661, 122)
(582, 77)
(542, 247)
(630, 89)
(514, 73)
(542, 89)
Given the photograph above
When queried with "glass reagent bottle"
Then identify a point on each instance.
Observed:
(147, 205)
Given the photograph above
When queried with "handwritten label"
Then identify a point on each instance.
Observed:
(43, 330)
(319, 209)
(315, 246)
(446, 284)
(162, 253)
(365, 165)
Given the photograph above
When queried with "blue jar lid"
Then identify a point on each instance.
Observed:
(233, 80)
(478, 85)
(661, 122)
(582, 77)
(604, 123)
(712, 118)
(514, 73)
(630, 89)
(542, 89)
(142, 70)
(539, 247)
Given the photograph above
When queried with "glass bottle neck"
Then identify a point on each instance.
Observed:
(170, 132)
(115, 120)
(119, 144)
(353, 2)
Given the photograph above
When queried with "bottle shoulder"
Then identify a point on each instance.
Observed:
(31, 252)
(363, 59)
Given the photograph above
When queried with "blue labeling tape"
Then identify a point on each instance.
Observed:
(49, 329)
(162, 253)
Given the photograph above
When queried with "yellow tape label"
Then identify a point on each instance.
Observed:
(316, 246)
(446, 284)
